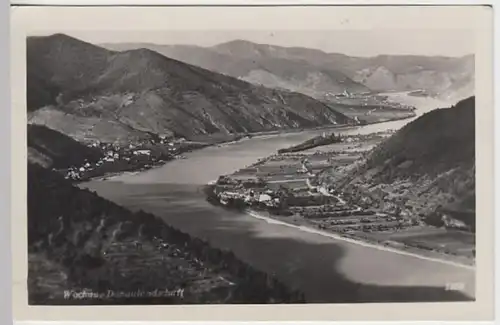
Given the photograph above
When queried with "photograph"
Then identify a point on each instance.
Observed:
(251, 166)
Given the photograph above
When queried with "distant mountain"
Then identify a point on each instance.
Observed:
(427, 165)
(89, 93)
(443, 77)
(265, 69)
(315, 72)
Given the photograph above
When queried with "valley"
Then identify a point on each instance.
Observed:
(278, 244)
(247, 173)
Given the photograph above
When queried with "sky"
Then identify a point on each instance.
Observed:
(445, 42)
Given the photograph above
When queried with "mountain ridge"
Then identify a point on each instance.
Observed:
(244, 59)
(293, 75)
(147, 92)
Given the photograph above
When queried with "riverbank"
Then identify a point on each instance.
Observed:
(275, 214)
(287, 186)
(163, 154)
(149, 164)
(303, 225)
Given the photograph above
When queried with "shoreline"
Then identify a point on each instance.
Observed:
(393, 119)
(111, 175)
(305, 226)
(354, 240)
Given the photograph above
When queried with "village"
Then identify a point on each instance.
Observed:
(118, 158)
(367, 100)
(291, 186)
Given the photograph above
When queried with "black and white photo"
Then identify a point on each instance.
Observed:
(252, 166)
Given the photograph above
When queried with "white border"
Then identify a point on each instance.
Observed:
(5, 284)
(241, 2)
(5, 251)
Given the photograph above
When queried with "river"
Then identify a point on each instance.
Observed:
(325, 268)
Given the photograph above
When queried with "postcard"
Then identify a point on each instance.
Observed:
(252, 163)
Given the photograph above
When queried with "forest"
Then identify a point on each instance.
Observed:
(75, 230)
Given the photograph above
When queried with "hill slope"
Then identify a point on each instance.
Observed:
(118, 96)
(79, 241)
(436, 142)
(52, 149)
(315, 72)
(57, 63)
(427, 166)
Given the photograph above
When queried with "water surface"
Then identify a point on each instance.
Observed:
(326, 269)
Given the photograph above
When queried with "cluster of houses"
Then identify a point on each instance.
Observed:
(250, 197)
(113, 152)
(73, 173)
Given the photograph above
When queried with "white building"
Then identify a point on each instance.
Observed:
(142, 152)
(264, 198)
